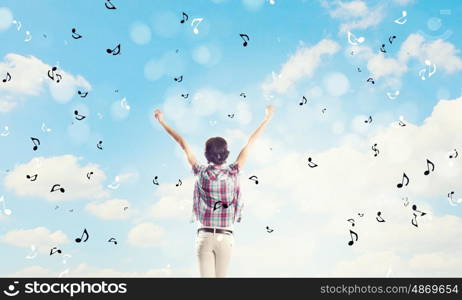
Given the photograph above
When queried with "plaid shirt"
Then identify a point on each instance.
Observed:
(217, 195)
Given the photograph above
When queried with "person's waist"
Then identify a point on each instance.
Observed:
(215, 229)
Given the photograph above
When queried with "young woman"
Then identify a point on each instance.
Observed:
(217, 203)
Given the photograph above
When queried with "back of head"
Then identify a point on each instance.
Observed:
(216, 150)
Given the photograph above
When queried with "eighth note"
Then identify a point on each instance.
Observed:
(268, 229)
(81, 94)
(178, 79)
(368, 120)
(254, 178)
(374, 148)
(56, 188)
(8, 77)
(179, 183)
(100, 145)
(350, 243)
(32, 178)
(85, 232)
(185, 18)
(429, 163)
(371, 80)
(243, 36)
(379, 215)
(89, 174)
(36, 143)
(77, 116)
(311, 164)
(454, 155)
(115, 51)
(112, 240)
(155, 181)
(400, 185)
(53, 252)
(110, 6)
(231, 116)
(304, 100)
(75, 35)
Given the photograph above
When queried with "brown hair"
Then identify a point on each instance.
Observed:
(216, 150)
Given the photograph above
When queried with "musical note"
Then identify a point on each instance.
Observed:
(115, 51)
(422, 72)
(324, 110)
(110, 6)
(429, 163)
(400, 185)
(391, 38)
(100, 145)
(374, 148)
(407, 202)
(454, 155)
(81, 94)
(32, 178)
(56, 188)
(28, 36)
(89, 174)
(154, 181)
(304, 100)
(382, 48)
(414, 208)
(77, 116)
(403, 15)
(18, 24)
(243, 95)
(401, 121)
(36, 143)
(52, 75)
(414, 220)
(379, 215)
(85, 232)
(198, 21)
(370, 79)
(44, 128)
(359, 70)
(5, 210)
(268, 229)
(311, 164)
(126, 207)
(185, 96)
(254, 178)
(352, 221)
(179, 183)
(369, 120)
(350, 243)
(185, 18)
(450, 198)
(220, 204)
(6, 132)
(393, 95)
(112, 240)
(33, 254)
(123, 104)
(75, 35)
(179, 79)
(53, 252)
(231, 116)
(8, 77)
(353, 40)
(361, 215)
(243, 36)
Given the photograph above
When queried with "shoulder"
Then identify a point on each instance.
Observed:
(197, 168)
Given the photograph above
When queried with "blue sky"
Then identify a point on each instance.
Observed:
(303, 41)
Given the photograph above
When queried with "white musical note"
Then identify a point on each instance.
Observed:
(404, 15)
(116, 185)
(6, 211)
(28, 36)
(422, 72)
(45, 128)
(6, 132)
(353, 40)
(18, 24)
(393, 95)
(198, 21)
(34, 253)
(124, 105)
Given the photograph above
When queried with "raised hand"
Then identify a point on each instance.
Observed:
(158, 115)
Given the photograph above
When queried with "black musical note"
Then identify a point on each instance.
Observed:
(231, 116)
(185, 96)
(243, 36)
(58, 78)
(155, 181)
(374, 148)
(32, 178)
(115, 51)
(369, 120)
(36, 143)
(454, 155)
(178, 79)
(52, 75)
(382, 49)
(359, 70)
(220, 204)
(370, 79)
(179, 183)
(243, 95)
(8, 77)
(401, 123)
(311, 164)
(414, 208)
(324, 110)
(352, 221)
(391, 38)
(56, 187)
(379, 215)
(361, 215)
(429, 163)
(185, 18)
(400, 185)
(268, 229)
(82, 95)
(350, 243)
(75, 35)
(304, 100)
(111, 6)
(85, 232)
(254, 178)
(77, 116)
(53, 252)
(89, 174)
(100, 145)
(112, 240)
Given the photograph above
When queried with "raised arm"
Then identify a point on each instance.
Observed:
(241, 159)
(178, 138)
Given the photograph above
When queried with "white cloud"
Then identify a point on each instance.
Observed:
(353, 9)
(29, 77)
(380, 66)
(41, 237)
(6, 18)
(113, 209)
(302, 64)
(146, 235)
(404, 2)
(64, 170)
(174, 202)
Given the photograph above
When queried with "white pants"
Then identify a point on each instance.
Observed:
(213, 253)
